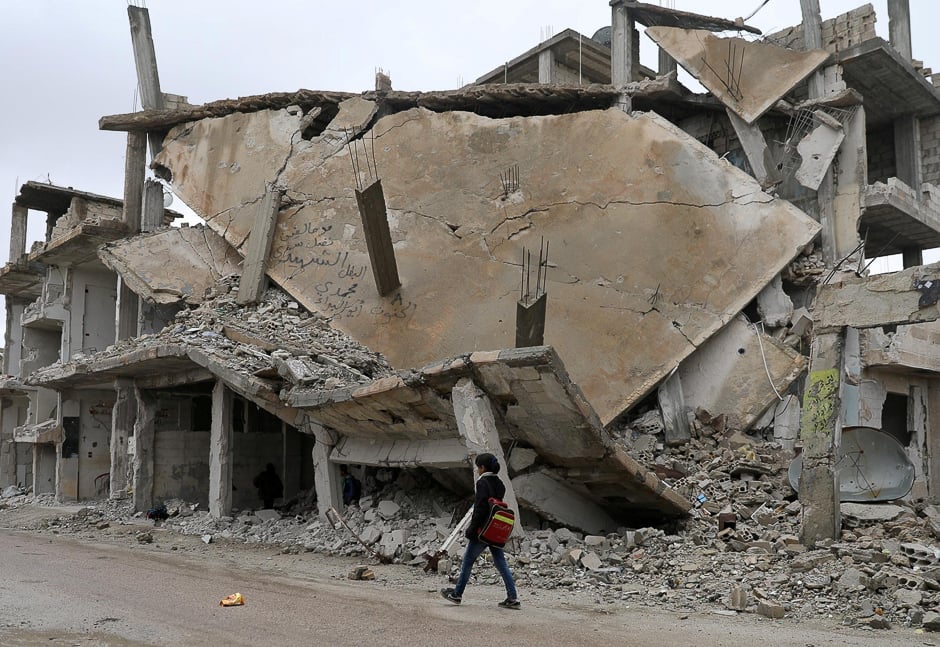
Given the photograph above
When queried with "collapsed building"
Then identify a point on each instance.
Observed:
(533, 265)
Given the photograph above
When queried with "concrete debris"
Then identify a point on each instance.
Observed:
(12, 491)
(361, 572)
(254, 340)
(757, 566)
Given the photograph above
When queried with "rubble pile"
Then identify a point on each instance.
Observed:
(884, 571)
(284, 339)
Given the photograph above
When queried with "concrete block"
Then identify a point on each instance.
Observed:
(268, 515)
(521, 458)
(388, 509)
(591, 561)
(770, 610)
(738, 598)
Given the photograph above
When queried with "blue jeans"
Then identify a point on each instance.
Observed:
(474, 550)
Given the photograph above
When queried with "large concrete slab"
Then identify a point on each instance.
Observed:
(738, 71)
(655, 242)
(171, 265)
(739, 372)
(408, 419)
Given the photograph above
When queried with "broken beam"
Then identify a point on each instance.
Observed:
(530, 322)
(371, 203)
(252, 283)
(905, 297)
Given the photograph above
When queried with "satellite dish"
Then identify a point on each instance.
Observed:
(872, 466)
(167, 199)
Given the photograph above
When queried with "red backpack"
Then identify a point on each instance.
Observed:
(499, 524)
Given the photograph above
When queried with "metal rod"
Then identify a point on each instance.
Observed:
(374, 164)
(528, 272)
(522, 277)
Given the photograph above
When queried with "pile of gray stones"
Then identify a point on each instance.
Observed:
(738, 552)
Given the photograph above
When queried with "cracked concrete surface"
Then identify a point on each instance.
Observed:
(174, 264)
(630, 204)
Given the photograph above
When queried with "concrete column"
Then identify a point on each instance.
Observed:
(18, 232)
(123, 416)
(622, 34)
(145, 59)
(8, 412)
(126, 312)
(907, 151)
(477, 426)
(849, 176)
(755, 147)
(254, 279)
(812, 39)
(667, 64)
(152, 214)
(326, 476)
(899, 27)
(220, 452)
(933, 442)
(912, 257)
(820, 428)
(547, 66)
(144, 430)
(135, 172)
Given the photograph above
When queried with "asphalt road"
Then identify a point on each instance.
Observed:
(64, 591)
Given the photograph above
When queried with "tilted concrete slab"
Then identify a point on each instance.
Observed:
(748, 77)
(535, 405)
(22, 279)
(909, 347)
(171, 265)
(729, 374)
(80, 244)
(655, 242)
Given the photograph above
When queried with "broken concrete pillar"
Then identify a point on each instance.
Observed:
(18, 232)
(819, 428)
(755, 147)
(254, 279)
(530, 322)
(818, 149)
(672, 404)
(378, 237)
(787, 416)
(135, 172)
(477, 427)
(326, 476)
(622, 35)
(899, 27)
(667, 64)
(123, 417)
(143, 449)
(151, 217)
(220, 452)
(774, 305)
(933, 442)
(126, 310)
(812, 39)
(145, 59)
(547, 66)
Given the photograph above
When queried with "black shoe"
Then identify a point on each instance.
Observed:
(510, 604)
(448, 594)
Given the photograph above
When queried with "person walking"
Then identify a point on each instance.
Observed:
(488, 485)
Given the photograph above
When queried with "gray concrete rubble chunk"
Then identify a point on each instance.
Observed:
(774, 305)
(851, 580)
(728, 374)
(746, 89)
(591, 561)
(172, 265)
(908, 598)
(388, 509)
(268, 515)
(771, 610)
(561, 503)
(457, 215)
(932, 621)
(521, 459)
(817, 151)
(738, 598)
(871, 512)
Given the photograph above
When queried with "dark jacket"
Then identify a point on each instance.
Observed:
(488, 485)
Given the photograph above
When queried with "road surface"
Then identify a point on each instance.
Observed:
(112, 590)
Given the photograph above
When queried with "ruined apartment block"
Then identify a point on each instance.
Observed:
(555, 263)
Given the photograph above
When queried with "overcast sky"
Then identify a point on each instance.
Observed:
(66, 63)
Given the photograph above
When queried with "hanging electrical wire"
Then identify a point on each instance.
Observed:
(754, 13)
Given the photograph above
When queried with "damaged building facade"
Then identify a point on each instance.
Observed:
(362, 289)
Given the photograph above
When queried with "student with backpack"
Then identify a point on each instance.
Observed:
(488, 486)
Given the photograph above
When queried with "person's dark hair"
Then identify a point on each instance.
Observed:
(488, 462)
(270, 467)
